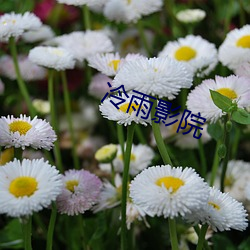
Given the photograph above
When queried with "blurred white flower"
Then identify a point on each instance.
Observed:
(191, 15)
(28, 69)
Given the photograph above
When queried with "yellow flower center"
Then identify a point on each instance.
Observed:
(170, 182)
(229, 181)
(20, 126)
(227, 92)
(129, 1)
(244, 42)
(6, 156)
(114, 64)
(23, 186)
(57, 52)
(13, 21)
(132, 157)
(70, 185)
(185, 53)
(214, 205)
(124, 107)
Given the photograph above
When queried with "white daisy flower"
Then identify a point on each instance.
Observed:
(162, 77)
(29, 70)
(51, 57)
(235, 49)
(14, 25)
(133, 213)
(89, 3)
(98, 86)
(110, 63)
(234, 87)
(26, 132)
(42, 34)
(236, 179)
(221, 212)
(110, 195)
(141, 157)
(28, 186)
(243, 69)
(110, 112)
(85, 44)
(191, 15)
(130, 11)
(247, 191)
(197, 53)
(169, 192)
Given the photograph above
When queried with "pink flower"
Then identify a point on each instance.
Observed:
(80, 192)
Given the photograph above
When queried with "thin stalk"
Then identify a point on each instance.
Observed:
(82, 227)
(226, 158)
(173, 235)
(215, 164)
(86, 17)
(27, 229)
(140, 135)
(21, 84)
(236, 142)
(143, 37)
(159, 140)
(67, 105)
(52, 222)
(53, 119)
(124, 231)
(242, 13)
(205, 244)
(202, 235)
(112, 173)
(18, 153)
(203, 170)
(120, 136)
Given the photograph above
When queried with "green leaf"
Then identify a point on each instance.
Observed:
(245, 244)
(241, 116)
(221, 101)
(11, 236)
(215, 130)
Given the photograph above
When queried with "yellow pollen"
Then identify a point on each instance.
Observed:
(214, 205)
(227, 92)
(57, 52)
(185, 53)
(114, 64)
(170, 182)
(70, 185)
(124, 108)
(20, 126)
(132, 157)
(23, 186)
(244, 42)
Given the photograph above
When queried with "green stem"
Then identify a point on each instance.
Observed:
(86, 17)
(226, 158)
(140, 135)
(242, 14)
(54, 120)
(124, 232)
(82, 227)
(202, 237)
(120, 136)
(236, 142)
(27, 229)
(50, 233)
(202, 158)
(215, 164)
(143, 37)
(173, 235)
(66, 96)
(205, 244)
(18, 153)
(21, 84)
(159, 140)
